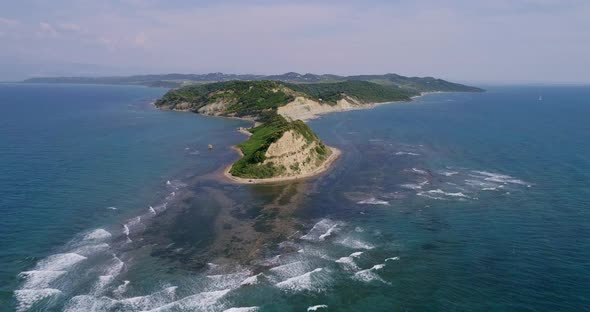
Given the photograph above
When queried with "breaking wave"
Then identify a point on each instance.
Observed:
(373, 201)
(460, 184)
(302, 282)
(321, 230)
(317, 307)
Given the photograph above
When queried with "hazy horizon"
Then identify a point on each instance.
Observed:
(523, 41)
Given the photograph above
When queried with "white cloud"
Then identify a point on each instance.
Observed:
(46, 29)
(8, 22)
(69, 27)
(484, 40)
(141, 39)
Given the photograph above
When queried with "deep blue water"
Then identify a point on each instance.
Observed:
(76, 157)
(453, 202)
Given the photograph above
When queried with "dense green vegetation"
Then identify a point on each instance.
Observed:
(251, 98)
(242, 97)
(254, 149)
(364, 91)
(415, 84)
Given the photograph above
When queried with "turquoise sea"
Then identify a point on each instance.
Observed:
(452, 202)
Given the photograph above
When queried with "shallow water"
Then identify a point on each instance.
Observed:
(452, 202)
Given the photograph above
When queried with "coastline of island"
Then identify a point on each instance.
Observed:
(324, 167)
(280, 145)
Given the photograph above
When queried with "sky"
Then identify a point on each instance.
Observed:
(501, 41)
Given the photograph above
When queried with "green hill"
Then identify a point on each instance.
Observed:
(419, 84)
(250, 98)
(257, 164)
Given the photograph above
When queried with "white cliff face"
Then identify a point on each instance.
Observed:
(290, 142)
(304, 109)
(214, 109)
(295, 154)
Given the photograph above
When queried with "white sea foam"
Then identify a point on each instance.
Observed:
(89, 250)
(369, 275)
(483, 185)
(316, 307)
(59, 262)
(274, 261)
(252, 280)
(204, 301)
(321, 230)
(419, 171)
(354, 243)
(175, 184)
(121, 289)
(27, 298)
(159, 208)
(112, 208)
(301, 282)
(407, 153)
(289, 269)
(451, 194)
(141, 303)
(89, 303)
(108, 274)
(211, 265)
(98, 234)
(348, 264)
(125, 229)
(412, 186)
(133, 222)
(37, 283)
(425, 194)
(242, 309)
(152, 301)
(448, 173)
(313, 251)
(39, 279)
(356, 254)
(415, 186)
(328, 232)
(225, 281)
(373, 201)
(499, 178)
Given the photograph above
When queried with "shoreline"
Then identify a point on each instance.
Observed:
(325, 166)
(311, 114)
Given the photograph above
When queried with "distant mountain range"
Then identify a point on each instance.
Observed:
(419, 84)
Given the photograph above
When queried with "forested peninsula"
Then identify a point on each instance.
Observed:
(281, 146)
